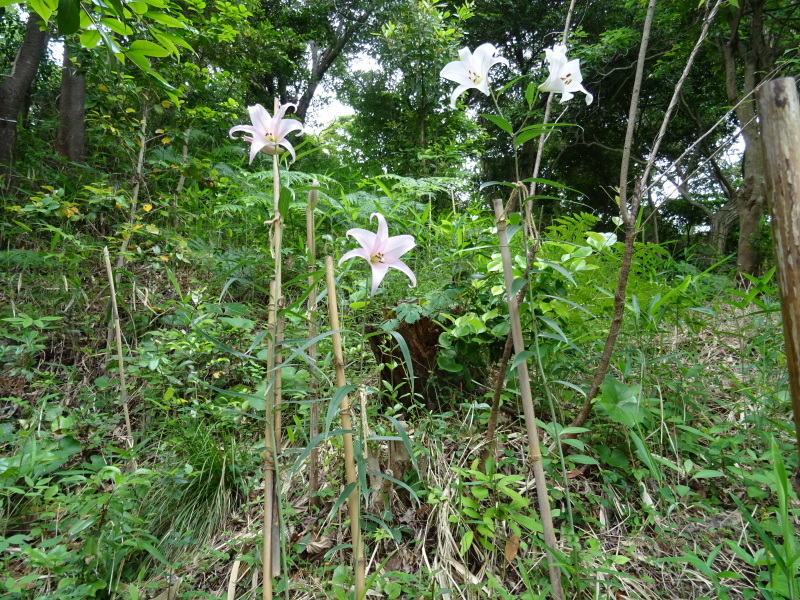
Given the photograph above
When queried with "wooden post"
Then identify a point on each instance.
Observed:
(779, 113)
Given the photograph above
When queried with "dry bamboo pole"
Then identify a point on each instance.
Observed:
(344, 415)
(527, 405)
(269, 459)
(120, 359)
(313, 460)
(137, 186)
(779, 114)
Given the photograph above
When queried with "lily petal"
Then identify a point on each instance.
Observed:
(363, 237)
(268, 134)
(565, 76)
(471, 71)
(381, 251)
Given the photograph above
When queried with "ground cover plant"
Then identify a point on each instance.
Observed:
(432, 350)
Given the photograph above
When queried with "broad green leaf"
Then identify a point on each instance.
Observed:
(44, 8)
(165, 19)
(68, 17)
(90, 38)
(148, 48)
(117, 26)
(138, 7)
(529, 523)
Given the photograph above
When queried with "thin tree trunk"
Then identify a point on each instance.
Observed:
(756, 57)
(14, 89)
(71, 137)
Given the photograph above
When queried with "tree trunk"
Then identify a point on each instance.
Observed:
(755, 56)
(721, 223)
(71, 137)
(14, 89)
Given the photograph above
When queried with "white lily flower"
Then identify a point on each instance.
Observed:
(381, 251)
(472, 71)
(565, 76)
(268, 134)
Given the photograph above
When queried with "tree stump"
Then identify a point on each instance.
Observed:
(422, 339)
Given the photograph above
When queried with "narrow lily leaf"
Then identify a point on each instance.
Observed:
(222, 346)
(560, 269)
(335, 403)
(571, 386)
(406, 357)
(491, 183)
(348, 489)
(555, 327)
(401, 431)
(521, 357)
(503, 89)
(501, 123)
(530, 94)
(303, 454)
(551, 182)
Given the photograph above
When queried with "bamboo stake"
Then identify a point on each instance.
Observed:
(277, 255)
(779, 114)
(313, 461)
(269, 459)
(527, 405)
(344, 415)
(120, 359)
(138, 178)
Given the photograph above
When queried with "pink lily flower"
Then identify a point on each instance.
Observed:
(472, 70)
(268, 134)
(381, 251)
(565, 76)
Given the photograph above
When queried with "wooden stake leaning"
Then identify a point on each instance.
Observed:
(344, 415)
(779, 113)
(527, 405)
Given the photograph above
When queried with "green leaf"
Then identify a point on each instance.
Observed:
(521, 357)
(138, 7)
(527, 522)
(68, 18)
(530, 95)
(501, 123)
(335, 403)
(466, 542)
(480, 492)
(138, 59)
(239, 322)
(165, 19)
(90, 38)
(582, 459)
(117, 26)
(146, 48)
(44, 8)
(707, 474)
